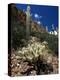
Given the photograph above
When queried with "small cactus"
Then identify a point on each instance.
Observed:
(34, 49)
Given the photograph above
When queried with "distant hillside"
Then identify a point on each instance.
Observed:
(38, 28)
(20, 16)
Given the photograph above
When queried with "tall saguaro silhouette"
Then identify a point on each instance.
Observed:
(46, 28)
(52, 28)
(28, 24)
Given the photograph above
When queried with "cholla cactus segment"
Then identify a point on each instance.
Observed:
(34, 49)
(45, 42)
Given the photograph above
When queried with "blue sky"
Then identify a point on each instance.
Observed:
(46, 15)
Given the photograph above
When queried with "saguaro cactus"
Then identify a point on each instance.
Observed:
(46, 28)
(28, 20)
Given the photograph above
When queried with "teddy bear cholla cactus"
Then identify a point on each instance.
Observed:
(33, 49)
(35, 52)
